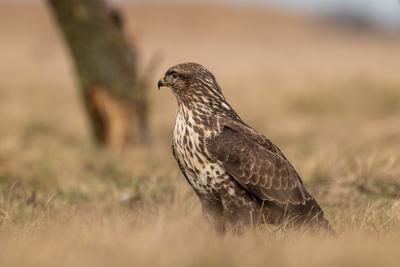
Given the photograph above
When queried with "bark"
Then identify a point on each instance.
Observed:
(106, 65)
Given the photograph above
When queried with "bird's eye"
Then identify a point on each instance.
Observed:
(174, 75)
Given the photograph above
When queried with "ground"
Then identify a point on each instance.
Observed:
(327, 95)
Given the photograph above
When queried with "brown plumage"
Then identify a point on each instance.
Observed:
(240, 176)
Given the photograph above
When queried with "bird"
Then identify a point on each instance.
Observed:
(241, 178)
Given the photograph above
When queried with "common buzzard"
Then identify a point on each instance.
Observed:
(240, 176)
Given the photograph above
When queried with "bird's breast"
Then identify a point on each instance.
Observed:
(188, 139)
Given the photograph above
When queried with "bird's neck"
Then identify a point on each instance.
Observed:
(201, 109)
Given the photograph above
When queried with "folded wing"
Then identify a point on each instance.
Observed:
(256, 164)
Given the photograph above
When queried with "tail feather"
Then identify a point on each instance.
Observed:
(308, 216)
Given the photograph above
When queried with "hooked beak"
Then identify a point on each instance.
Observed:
(162, 83)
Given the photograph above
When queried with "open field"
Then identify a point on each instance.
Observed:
(328, 96)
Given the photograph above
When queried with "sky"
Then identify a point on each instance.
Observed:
(381, 13)
(384, 13)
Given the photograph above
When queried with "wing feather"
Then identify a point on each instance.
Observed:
(256, 163)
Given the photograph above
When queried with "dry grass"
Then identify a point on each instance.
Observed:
(329, 97)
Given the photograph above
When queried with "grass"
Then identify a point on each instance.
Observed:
(66, 202)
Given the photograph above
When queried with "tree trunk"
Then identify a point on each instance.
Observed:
(106, 64)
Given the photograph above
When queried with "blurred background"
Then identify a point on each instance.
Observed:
(320, 78)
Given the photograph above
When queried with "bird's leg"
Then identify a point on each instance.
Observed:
(239, 210)
(213, 210)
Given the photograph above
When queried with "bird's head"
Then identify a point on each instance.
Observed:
(191, 81)
(196, 87)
